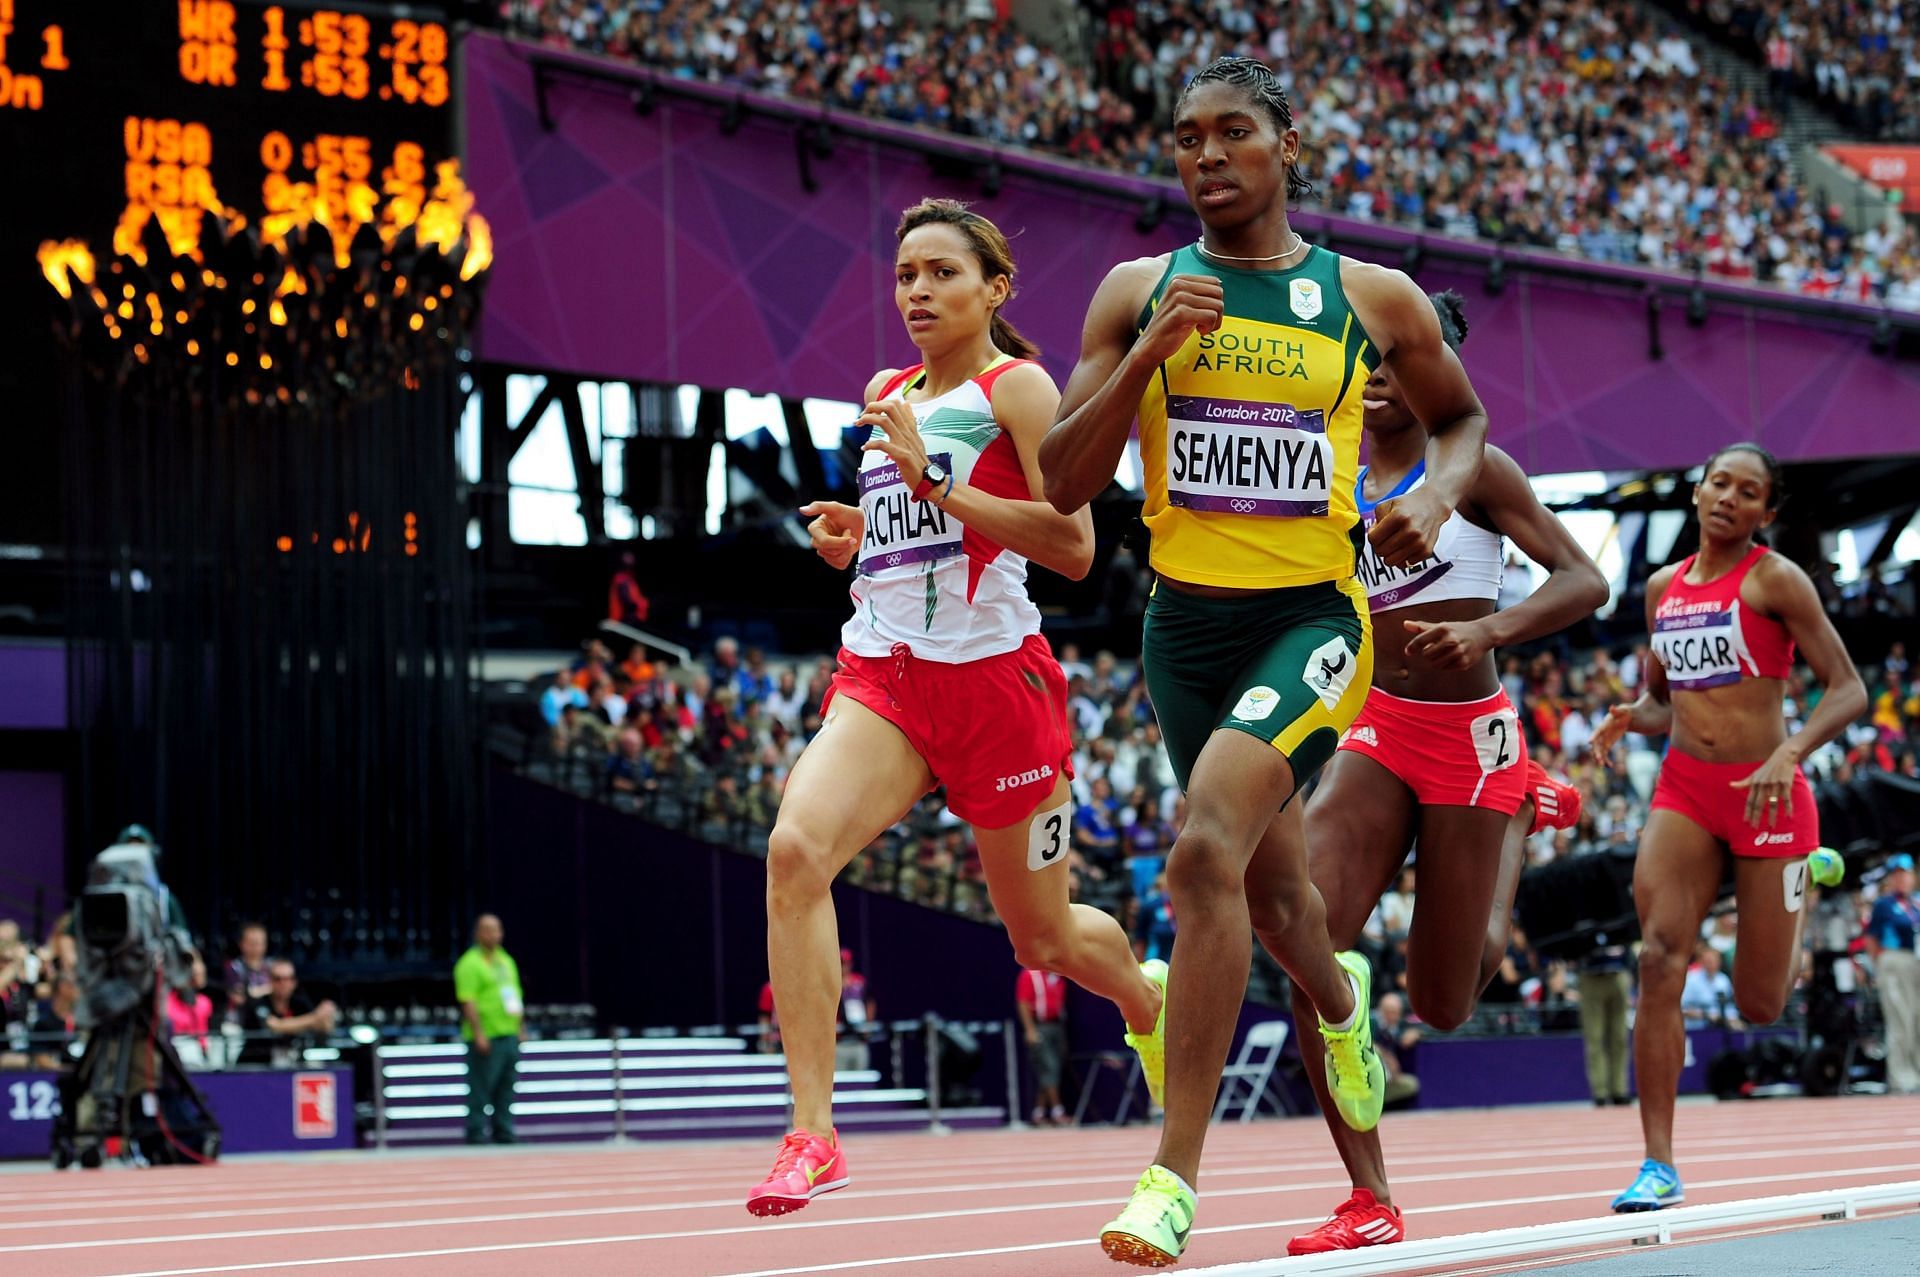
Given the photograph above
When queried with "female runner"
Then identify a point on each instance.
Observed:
(1724, 623)
(1436, 756)
(944, 677)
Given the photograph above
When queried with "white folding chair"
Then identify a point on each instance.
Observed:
(1254, 1069)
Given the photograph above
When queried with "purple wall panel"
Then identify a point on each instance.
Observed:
(33, 841)
(655, 248)
(33, 686)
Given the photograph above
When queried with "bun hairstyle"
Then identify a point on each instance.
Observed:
(1264, 87)
(990, 249)
(1451, 309)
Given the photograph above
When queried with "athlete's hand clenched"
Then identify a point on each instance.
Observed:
(1408, 528)
(836, 531)
(1191, 303)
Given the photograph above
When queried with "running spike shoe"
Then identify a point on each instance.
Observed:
(806, 1166)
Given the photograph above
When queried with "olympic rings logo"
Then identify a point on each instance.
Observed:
(893, 560)
(1241, 505)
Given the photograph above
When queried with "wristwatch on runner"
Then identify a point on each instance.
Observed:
(930, 478)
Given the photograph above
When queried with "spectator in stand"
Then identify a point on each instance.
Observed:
(557, 697)
(762, 802)
(190, 1017)
(627, 768)
(248, 977)
(787, 703)
(1155, 927)
(626, 603)
(857, 1016)
(1148, 839)
(1892, 931)
(1041, 1000)
(52, 1025)
(722, 809)
(1395, 1039)
(1707, 997)
(486, 983)
(1096, 832)
(277, 1023)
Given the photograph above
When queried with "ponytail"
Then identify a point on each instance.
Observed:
(1006, 337)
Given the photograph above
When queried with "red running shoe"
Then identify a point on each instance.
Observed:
(1555, 806)
(807, 1166)
(1360, 1221)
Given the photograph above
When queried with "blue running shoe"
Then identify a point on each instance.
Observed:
(1656, 1186)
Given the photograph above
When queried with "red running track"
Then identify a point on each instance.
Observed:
(994, 1203)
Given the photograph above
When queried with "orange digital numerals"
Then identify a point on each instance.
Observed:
(209, 50)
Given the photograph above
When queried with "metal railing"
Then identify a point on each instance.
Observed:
(614, 1065)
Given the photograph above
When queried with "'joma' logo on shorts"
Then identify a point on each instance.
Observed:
(1005, 783)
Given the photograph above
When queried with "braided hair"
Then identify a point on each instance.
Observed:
(1450, 308)
(1263, 86)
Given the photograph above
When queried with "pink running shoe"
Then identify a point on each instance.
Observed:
(806, 1167)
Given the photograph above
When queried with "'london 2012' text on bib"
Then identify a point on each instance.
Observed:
(1242, 456)
(901, 530)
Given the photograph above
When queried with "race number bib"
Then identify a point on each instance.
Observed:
(1496, 740)
(901, 530)
(510, 1000)
(1701, 650)
(1389, 587)
(1241, 456)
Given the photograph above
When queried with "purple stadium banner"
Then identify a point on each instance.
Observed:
(659, 248)
(259, 1111)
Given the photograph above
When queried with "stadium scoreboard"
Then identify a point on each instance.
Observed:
(171, 105)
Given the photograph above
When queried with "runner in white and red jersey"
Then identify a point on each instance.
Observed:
(944, 678)
(1436, 756)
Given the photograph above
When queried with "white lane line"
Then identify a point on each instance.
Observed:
(811, 1224)
(487, 1192)
(504, 1247)
(370, 1170)
(1544, 1199)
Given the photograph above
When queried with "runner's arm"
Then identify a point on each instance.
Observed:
(1574, 588)
(1797, 604)
(1082, 452)
(1024, 400)
(1399, 317)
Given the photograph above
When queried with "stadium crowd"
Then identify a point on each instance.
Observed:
(1565, 124)
(1861, 58)
(708, 751)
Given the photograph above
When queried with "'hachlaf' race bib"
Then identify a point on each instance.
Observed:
(1242, 456)
(901, 530)
(1699, 644)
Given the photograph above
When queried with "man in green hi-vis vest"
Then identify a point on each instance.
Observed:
(486, 981)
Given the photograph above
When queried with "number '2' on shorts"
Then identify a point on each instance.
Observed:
(1464, 754)
(1288, 666)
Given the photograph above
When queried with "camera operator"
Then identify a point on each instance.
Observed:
(275, 1023)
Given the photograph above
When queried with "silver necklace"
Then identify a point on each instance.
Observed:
(1201, 244)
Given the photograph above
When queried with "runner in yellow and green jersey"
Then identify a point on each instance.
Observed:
(1243, 357)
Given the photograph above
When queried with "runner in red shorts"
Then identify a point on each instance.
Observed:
(1436, 755)
(944, 677)
(1724, 622)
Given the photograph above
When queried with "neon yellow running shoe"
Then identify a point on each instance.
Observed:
(1154, 1227)
(1152, 1047)
(1355, 1075)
